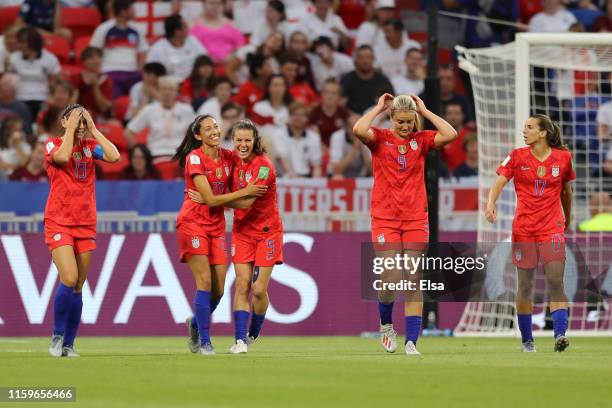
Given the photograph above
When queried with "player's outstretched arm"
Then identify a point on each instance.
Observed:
(64, 153)
(212, 200)
(446, 133)
(496, 189)
(566, 202)
(110, 152)
(362, 126)
(244, 202)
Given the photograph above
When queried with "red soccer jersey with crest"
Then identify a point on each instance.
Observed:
(398, 166)
(72, 197)
(218, 173)
(263, 215)
(538, 186)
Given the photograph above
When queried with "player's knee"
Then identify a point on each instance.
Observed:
(260, 292)
(242, 286)
(70, 280)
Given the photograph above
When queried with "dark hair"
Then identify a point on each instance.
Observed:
(172, 24)
(278, 6)
(70, 108)
(147, 156)
(413, 49)
(90, 52)
(246, 124)
(364, 47)
(322, 40)
(287, 99)
(553, 131)
(197, 82)
(222, 80)
(51, 118)
(256, 62)
(120, 5)
(229, 106)
(396, 23)
(445, 107)
(32, 38)
(5, 127)
(189, 142)
(154, 68)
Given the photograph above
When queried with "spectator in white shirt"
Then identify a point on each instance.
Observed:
(222, 93)
(349, 157)
(167, 121)
(124, 47)
(230, 114)
(146, 91)
(413, 82)
(14, 150)
(369, 31)
(604, 125)
(298, 149)
(272, 112)
(324, 22)
(327, 63)
(36, 68)
(275, 22)
(390, 49)
(554, 18)
(178, 50)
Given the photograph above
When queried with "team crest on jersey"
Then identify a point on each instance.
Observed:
(402, 149)
(195, 242)
(555, 171)
(87, 152)
(76, 156)
(219, 172)
(248, 176)
(414, 145)
(518, 255)
(57, 237)
(541, 172)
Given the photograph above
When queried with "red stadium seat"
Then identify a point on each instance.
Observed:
(115, 134)
(414, 5)
(59, 46)
(82, 21)
(353, 13)
(419, 36)
(79, 46)
(70, 71)
(169, 170)
(445, 56)
(142, 137)
(120, 107)
(8, 15)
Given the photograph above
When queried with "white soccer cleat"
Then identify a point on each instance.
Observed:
(55, 349)
(411, 349)
(207, 350)
(194, 337)
(239, 348)
(528, 347)
(69, 352)
(388, 338)
(251, 340)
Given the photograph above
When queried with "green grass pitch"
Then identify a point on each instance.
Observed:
(316, 371)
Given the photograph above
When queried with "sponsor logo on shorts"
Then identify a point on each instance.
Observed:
(414, 145)
(381, 238)
(195, 242)
(57, 237)
(518, 255)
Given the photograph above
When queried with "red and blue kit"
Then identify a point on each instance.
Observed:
(539, 223)
(70, 213)
(257, 233)
(201, 229)
(399, 200)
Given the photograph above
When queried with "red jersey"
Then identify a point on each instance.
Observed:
(538, 186)
(218, 173)
(263, 215)
(248, 95)
(398, 166)
(72, 197)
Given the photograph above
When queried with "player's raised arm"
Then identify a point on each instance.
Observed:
(496, 189)
(212, 200)
(109, 151)
(64, 152)
(566, 202)
(362, 126)
(446, 132)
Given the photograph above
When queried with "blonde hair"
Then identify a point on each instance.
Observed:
(405, 103)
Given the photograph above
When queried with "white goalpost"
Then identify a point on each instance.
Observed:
(567, 77)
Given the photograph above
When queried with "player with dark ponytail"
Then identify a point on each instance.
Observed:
(542, 173)
(200, 227)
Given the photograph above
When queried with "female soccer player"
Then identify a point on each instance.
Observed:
(201, 227)
(399, 200)
(70, 216)
(542, 174)
(257, 233)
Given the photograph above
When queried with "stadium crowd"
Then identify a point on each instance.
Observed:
(302, 71)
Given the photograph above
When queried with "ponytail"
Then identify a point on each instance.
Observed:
(554, 137)
(189, 142)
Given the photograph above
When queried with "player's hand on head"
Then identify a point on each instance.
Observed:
(256, 190)
(74, 118)
(195, 196)
(384, 102)
(88, 119)
(491, 213)
(419, 104)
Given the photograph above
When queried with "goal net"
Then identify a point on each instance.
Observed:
(567, 77)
